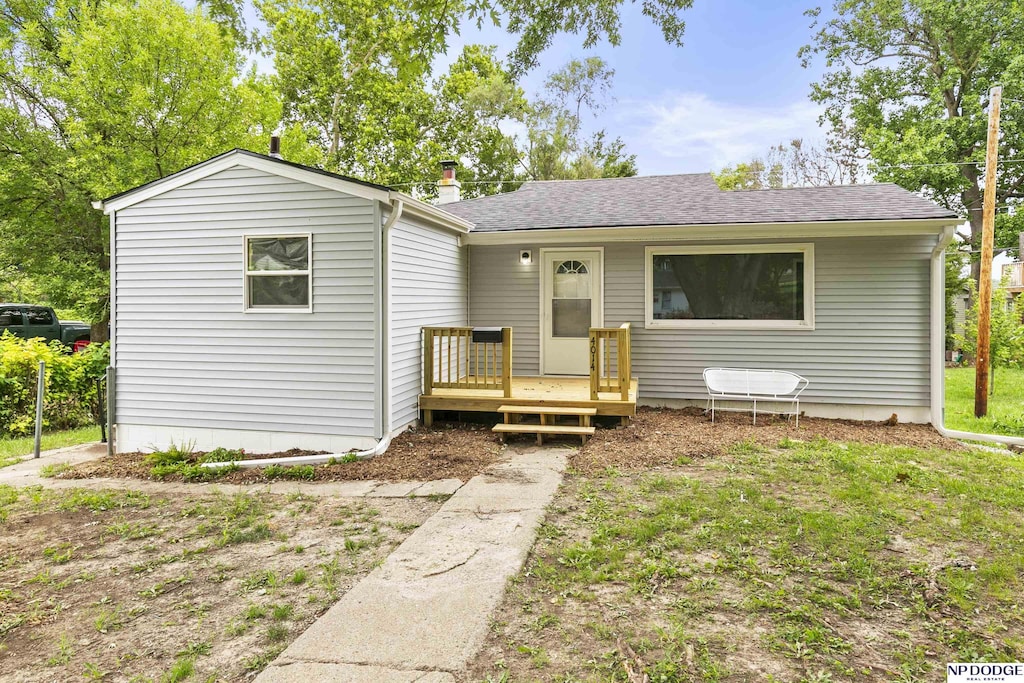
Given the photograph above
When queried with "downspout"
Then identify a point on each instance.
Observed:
(397, 207)
(938, 347)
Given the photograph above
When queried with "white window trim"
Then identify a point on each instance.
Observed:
(246, 308)
(807, 249)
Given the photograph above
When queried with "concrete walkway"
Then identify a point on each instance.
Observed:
(424, 614)
(26, 473)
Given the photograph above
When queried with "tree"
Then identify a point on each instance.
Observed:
(555, 146)
(797, 164)
(909, 79)
(956, 262)
(1006, 344)
(96, 99)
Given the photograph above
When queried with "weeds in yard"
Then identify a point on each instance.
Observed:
(101, 501)
(230, 520)
(60, 553)
(805, 541)
(298, 577)
(260, 662)
(93, 672)
(53, 470)
(182, 669)
(300, 472)
(282, 612)
(65, 651)
(132, 531)
(276, 633)
(262, 579)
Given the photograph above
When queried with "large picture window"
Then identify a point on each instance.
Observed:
(761, 286)
(277, 273)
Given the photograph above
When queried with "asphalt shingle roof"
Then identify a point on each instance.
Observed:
(689, 199)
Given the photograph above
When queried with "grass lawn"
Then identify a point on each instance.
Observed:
(118, 585)
(11, 450)
(1006, 405)
(798, 561)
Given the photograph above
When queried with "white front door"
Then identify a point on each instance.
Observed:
(571, 303)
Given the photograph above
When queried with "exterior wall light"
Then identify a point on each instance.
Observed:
(525, 257)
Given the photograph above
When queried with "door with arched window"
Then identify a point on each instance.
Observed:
(571, 303)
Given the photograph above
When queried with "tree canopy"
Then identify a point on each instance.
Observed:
(99, 96)
(908, 80)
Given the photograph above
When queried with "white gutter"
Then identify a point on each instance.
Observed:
(938, 346)
(397, 207)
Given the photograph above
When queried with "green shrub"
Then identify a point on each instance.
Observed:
(71, 397)
(286, 472)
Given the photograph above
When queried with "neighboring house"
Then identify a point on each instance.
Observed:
(261, 304)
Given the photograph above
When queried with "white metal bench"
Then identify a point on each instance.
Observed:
(746, 384)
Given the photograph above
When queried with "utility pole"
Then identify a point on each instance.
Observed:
(981, 366)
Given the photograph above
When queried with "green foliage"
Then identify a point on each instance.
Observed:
(305, 472)
(98, 98)
(1005, 406)
(796, 164)
(180, 460)
(907, 82)
(1006, 345)
(956, 262)
(70, 398)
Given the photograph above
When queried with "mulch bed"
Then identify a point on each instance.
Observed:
(655, 437)
(445, 452)
(658, 437)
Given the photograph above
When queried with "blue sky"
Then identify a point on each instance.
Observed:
(735, 87)
(731, 91)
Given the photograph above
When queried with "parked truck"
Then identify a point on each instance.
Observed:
(30, 322)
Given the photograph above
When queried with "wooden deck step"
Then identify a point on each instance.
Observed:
(547, 410)
(542, 430)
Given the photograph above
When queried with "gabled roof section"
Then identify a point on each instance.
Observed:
(287, 169)
(679, 200)
(241, 157)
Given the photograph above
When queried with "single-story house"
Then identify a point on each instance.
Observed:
(262, 304)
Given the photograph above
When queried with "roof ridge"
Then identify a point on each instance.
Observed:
(817, 187)
(626, 177)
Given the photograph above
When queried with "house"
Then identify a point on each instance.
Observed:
(262, 304)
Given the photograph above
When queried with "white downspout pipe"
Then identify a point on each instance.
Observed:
(397, 207)
(938, 347)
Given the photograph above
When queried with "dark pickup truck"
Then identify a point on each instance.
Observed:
(24, 320)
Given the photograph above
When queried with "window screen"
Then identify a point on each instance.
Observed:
(278, 272)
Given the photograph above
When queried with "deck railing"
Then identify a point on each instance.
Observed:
(452, 360)
(1014, 273)
(611, 361)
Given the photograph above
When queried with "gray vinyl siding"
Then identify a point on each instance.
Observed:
(429, 274)
(869, 346)
(187, 354)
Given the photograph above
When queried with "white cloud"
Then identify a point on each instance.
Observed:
(682, 132)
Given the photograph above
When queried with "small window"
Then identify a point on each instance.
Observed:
(39, 316)
(759, 286)
(277, 273)
(10, 317)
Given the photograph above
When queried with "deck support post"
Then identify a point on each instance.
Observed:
(506, 361)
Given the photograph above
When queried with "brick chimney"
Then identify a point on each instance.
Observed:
(448, 188)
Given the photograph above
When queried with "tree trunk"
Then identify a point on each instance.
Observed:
(100, 331)
(973, 198)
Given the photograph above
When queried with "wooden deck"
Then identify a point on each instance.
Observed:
(531, 391)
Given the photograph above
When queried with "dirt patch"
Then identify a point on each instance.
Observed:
(443, 452)
(120, 586)
(661, 437)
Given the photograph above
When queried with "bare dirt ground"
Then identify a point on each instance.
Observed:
(444, 452)
(121, 586)
(677, 550)
(654, 438)
(660, 437)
